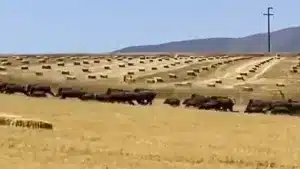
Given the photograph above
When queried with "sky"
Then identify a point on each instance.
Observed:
(96, 26)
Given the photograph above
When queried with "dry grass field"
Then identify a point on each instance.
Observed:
(89, 134)
(97, 135)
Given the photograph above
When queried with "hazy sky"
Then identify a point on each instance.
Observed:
(104, 25)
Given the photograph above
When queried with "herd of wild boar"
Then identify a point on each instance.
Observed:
(146, 97)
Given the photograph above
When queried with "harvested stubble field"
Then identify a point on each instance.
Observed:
(96, 135)
(102, 135)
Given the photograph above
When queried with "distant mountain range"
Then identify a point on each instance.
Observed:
(284, 40)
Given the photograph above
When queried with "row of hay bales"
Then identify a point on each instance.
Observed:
(192, 72)
(19, 121)
(294, 68)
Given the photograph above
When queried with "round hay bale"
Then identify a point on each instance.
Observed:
(71, 77)
(294, 67)
(39, 73)
(205, 68)
(130, 58)
(96, 61)
(159, 79)
(91, 76)
(3, 68)
(257, 66)
(172, 75)
(166, 66)
(106, 67)
(252, 70)
(86, 70)
(173, 64)
(191, 73)
(108, 59)
(142, 62)
(25, 61)
(154, 68)
(240, 78)
(280, 85)
(160, 60)
(211, 85)
(120, 59)
(248, 89)
(31, 123)
(243, 74)
(6, 63)
(213, 66)
(142, 69)
(104, 76)
(130, 64)
(86, 62)
(121, 65)
(150, 81)
(219, 81)
(46, 66)
(151, 60)
(60, 64)
(25, 67)
(130, 73)
(65, 72)
(76, 63)
(177, 62)
(293, 70)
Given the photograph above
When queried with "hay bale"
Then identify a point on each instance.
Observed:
(150, 80)
(42, 61)
(293, 70)
(252, 70)
(154, 68)
(130, 64)
(86, 62)
(60, 59)
(91, 76)
(65, 72)
(86, 70)
(18, 58)
(46, 67)
(196, 70)
(280, 85)
(205, 68)
(159, 79)
(142, 62)
(39, 73)
(219, 81)
(177, 62)
(160, 60)
(130, 58)
(184, 84)
(172, 75)
(243, 74)
(257, 66)
(213, 66)
(130, 73)
(151, 60)
(71, 77)
(211, 85)
(96, 61)
(3, 68)
(76, 63)
(108, 59)
(25, 67)
(121, 65)
(120, 59)
(173, 64)
(166, 66)
(31, 123)
(248, 89)
(106, 67)
(6, 63)
(25, 61)
(191, 73)
(104, 76)
(142, 69)
(240, 78)
(60, 64)
(4, 60)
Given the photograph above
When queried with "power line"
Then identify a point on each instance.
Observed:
(269, 28)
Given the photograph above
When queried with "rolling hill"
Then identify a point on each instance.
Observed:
(284, 40)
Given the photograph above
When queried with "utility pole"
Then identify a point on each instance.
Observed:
(269, 28)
